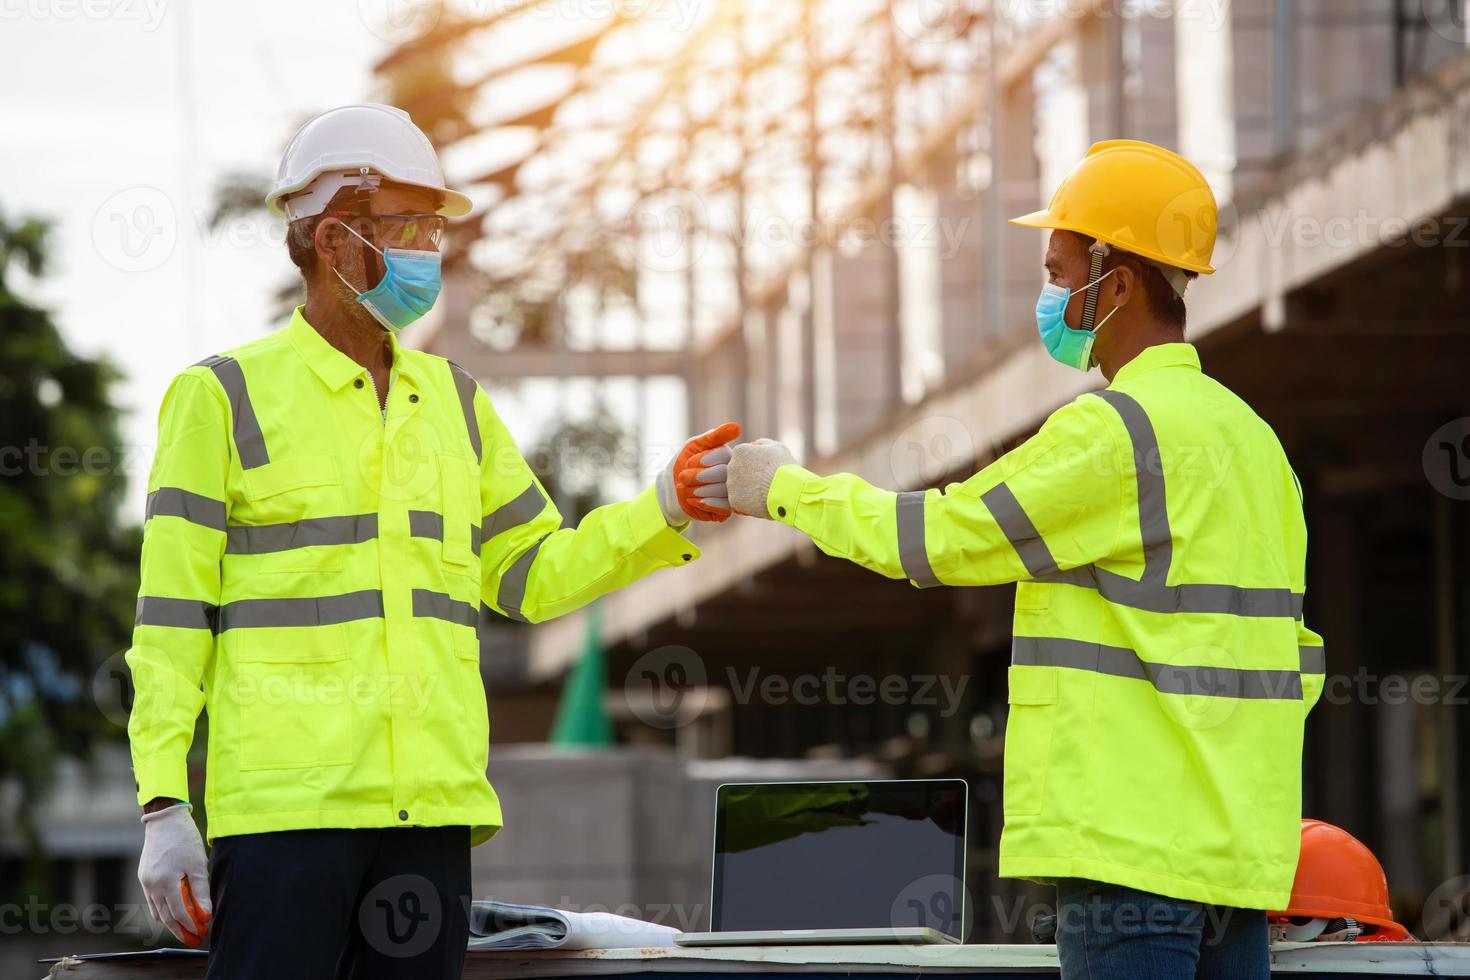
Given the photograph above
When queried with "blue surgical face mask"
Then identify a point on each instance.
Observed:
(1067, 346)
(408, 289)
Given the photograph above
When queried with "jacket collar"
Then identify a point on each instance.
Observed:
(1156, 357)
(331, 365)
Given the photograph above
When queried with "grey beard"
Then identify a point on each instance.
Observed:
(351, 308)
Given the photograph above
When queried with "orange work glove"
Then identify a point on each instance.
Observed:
(693, 484)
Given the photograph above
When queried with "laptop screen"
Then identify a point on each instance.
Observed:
(882, 854)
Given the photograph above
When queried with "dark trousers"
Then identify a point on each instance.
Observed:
(359, 904)
(1109, 932)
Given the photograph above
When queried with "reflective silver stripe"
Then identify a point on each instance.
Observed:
(262, 539)
(1314, 660)
(1150, 593)
(1153, 508)
(1228, 600)
(1019, 530)
(438, 605)
(190, 614)
(310, 611)
(427, 524)
(1223, 682)
(249, 440)
(192, 507)
(466, 385)
(522, 510)
(512, 593)
(913, 554)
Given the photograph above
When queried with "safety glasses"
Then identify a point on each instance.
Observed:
(415, 231)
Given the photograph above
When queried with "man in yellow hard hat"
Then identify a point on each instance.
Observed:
(328, 514)
(1159, 658)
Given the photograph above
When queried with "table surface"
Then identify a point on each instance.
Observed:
(1308, 959)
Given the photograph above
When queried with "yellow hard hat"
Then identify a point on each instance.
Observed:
(1140, 198)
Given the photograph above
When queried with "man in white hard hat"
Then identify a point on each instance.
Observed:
(327, 513)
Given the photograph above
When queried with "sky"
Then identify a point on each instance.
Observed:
(118, 121)
(96, 103)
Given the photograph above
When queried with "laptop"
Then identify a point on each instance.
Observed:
(874, 861)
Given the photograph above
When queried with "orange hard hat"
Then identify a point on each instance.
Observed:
(1338, 877)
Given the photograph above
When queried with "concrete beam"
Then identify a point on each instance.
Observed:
(1397, 166)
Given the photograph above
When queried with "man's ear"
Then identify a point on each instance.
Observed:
(329, 239)
(1125, 282)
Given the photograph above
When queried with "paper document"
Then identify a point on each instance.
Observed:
(505, 925)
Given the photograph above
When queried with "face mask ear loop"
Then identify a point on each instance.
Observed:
(355, 290)
(1099, 251)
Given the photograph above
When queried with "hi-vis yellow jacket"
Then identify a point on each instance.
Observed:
(1160, 671)
(312, 575)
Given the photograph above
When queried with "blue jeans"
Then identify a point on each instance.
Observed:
(1109, 932)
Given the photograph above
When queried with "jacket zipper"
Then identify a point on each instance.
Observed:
(384, 410)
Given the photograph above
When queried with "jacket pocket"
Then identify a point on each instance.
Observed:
(285, 499)
(460, 503)
(1032, 696)
(1033, 596)
(294, 690)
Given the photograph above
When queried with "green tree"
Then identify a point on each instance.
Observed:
(68, 573)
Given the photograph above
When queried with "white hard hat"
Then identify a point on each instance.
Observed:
(343, 146)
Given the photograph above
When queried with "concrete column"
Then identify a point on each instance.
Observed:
(1015, 271)
(1207, 44)
(1153, 111)
(860, 308)
(1100, 47)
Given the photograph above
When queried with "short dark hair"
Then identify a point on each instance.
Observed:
(1165, 304)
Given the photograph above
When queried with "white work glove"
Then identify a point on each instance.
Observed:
(175, 874)
(692, 485)
(748, 477)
